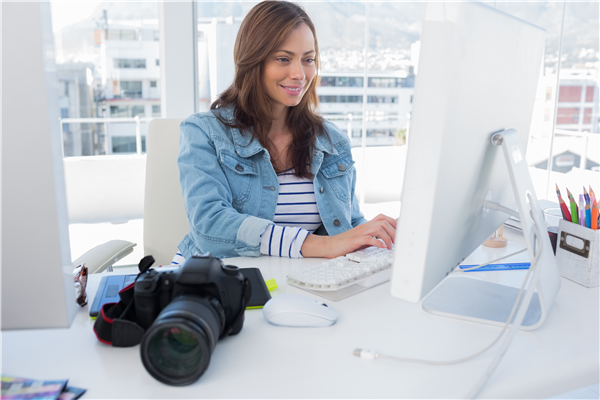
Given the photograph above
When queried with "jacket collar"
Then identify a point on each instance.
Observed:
(246, 147)
(324, 145)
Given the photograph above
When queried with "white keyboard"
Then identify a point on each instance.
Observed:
(367, 267)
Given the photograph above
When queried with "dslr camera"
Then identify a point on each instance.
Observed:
(185, 313)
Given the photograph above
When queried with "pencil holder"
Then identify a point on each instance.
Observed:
(577, 253)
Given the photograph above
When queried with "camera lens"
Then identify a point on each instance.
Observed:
(176, 349)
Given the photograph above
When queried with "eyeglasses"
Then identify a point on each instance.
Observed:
(80, 275)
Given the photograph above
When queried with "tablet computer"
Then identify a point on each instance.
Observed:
(110, 285)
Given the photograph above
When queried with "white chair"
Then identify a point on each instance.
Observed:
(165, 219)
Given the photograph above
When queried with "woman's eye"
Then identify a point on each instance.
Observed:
(282, 59)
(309, 60)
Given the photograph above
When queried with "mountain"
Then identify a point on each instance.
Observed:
(393, 26)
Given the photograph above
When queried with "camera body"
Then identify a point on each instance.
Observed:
(198, 276)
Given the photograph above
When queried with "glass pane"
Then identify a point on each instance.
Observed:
(100, 45)
(106, 57)
(571, 112)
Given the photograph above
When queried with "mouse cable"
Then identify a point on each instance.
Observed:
(372, 355)
(537, 234)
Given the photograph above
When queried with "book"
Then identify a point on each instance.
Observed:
(21, 388)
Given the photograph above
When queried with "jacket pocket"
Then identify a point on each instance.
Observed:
(339, 172)
(239, 172)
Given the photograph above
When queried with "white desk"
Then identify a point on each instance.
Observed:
(265, 361)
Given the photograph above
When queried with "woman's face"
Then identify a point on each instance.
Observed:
(289, 70)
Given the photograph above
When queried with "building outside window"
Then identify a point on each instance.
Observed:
(384, 82)
(127, 111)
(130, 89)
(122, 34)
(346, 81)
(129, 63)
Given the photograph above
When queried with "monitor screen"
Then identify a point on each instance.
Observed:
(478, 74)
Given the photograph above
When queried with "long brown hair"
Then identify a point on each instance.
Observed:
(263, 31)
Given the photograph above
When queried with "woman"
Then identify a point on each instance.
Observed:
(262, 173)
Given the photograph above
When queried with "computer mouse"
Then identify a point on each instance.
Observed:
(299, 311)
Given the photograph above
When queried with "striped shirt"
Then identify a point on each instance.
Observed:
(296, 215)
(296, 204)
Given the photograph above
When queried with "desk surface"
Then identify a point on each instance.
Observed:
(266, 361)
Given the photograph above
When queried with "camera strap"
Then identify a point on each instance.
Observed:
(116, 324)
(246, 294)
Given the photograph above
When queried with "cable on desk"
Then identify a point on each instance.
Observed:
(372, 355)
(537, 233)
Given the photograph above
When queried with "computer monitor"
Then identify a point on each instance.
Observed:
(478, 74)
(37, 275)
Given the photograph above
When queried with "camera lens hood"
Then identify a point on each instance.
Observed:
(177, 347)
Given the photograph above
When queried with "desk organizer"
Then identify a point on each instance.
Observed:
(577, 253)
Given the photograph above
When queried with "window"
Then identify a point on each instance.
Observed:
(340, 99)
(567, 116)
(328, 81)
(587, 116)
(569, 94)
(152, 84)
(126, 111)
(344, 81)
(126, 144)
(130, 89)
(589, 94)
(384, 82)
(350, 99)
(382, 99)
(328, 99)
(156, 110)
(122, 34)
(129, 63)
(380, 132)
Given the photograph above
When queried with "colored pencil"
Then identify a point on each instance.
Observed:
(592, 194)
(588, 216)
(594, 214)
(563, 206)
(574, 209)
(586, 196)
(581, 210)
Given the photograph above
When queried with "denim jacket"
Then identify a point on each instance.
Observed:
(230, 188)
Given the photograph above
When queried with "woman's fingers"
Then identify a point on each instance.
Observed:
(383, 217)
(381, 229)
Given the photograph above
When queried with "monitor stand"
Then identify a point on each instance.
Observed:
(480, 301)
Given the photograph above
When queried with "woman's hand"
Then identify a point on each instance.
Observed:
(365, 235)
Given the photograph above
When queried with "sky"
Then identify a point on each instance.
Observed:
(69, 12)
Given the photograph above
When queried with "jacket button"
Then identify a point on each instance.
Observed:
(322, 189)
(271, 188)
(341, 167)
(336, 222)
(239, 167)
